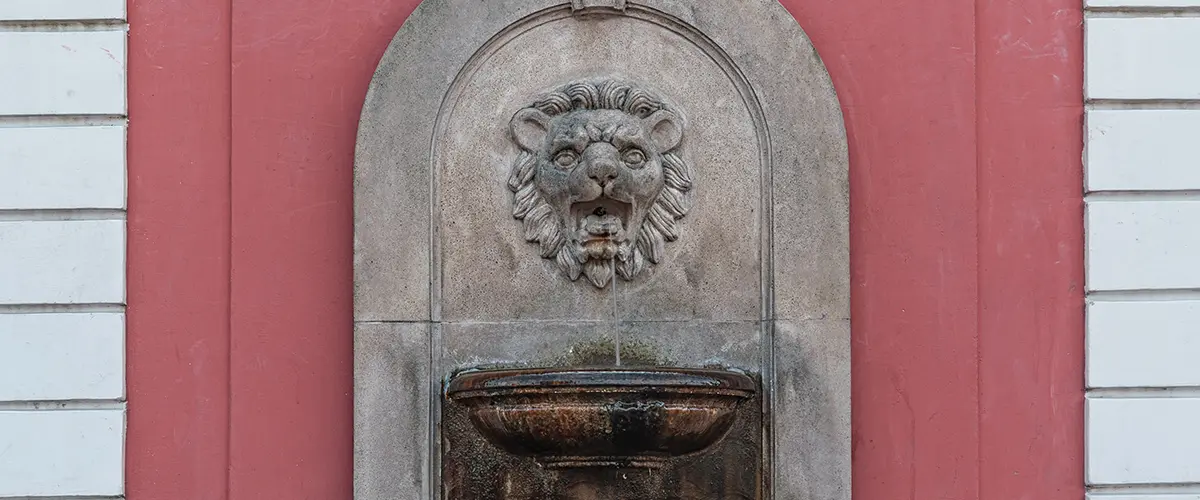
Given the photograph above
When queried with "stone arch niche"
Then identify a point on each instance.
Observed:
(601, 185)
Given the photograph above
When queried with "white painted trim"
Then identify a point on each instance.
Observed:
(62, 453)
(1143, 150)
(1142, 57)
(62, 262)
(1142, 85)
(74, 356)
(1143, 245)
(52, 10)
(74, 72)
(62, 167)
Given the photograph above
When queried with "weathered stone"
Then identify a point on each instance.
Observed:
(474, 469)
(488, 273)
(391, 411)
(733, 344)
(571, 418)
(600, 179)
(811, 417)
(393, 203)
(526, 344)
(470, 215)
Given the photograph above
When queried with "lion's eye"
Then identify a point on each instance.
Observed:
(634, 157)
(565, 158)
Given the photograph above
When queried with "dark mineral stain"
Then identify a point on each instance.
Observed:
(603, 352)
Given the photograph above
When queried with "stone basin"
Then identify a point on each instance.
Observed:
(602, 417)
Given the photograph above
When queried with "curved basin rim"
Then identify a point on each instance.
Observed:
(615, 378)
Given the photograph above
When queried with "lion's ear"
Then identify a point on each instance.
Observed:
(665, 129)
(529, 128)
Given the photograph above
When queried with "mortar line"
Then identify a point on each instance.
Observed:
(1181, 392)
(63, 120)
(62, 26)
(1142, 195)
(1142, 295)
(61, 214)
(1109, 104)
(1140, 12)
(1102, 490)
(63, 405)
(109, 308)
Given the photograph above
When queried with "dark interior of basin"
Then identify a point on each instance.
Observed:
(611, 378)
(602, 417)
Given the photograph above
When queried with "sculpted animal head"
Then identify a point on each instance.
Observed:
(599, 181)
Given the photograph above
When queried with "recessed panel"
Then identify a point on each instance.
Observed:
(490, 269)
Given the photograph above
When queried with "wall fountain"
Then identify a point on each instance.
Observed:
(601, 253)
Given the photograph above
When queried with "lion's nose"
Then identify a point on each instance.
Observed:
(603, 171)
(601, 160)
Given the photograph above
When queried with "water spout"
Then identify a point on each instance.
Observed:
(615, 324)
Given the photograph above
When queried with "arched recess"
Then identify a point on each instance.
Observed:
(756, 280)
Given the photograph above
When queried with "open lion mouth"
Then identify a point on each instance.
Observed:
(603, 218)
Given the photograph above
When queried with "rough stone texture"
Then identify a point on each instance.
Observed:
(521, 343)
(734, 344)
(646, 343)
(809, 178)
(392, 198)
(812, 410)
(391, 410)
(491, 273)
(765, 239)
(600, 180)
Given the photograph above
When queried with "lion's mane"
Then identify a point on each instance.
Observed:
(540, 223)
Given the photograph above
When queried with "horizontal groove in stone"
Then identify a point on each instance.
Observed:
(63, 25)
(63, 498)
(1143, 195)
(1150, 295)
(1141, 104)
(62, 120)
(56, 405)
(1144, 489)
(60, 214)
(1143, 393)
(60, 308)
(1140, 12)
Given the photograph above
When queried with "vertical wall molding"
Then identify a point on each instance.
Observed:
(1142, 218)
(179, 277)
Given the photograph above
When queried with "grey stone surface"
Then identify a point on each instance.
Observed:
(811, 417)
(600, 180)
(735, 345)
(391, 411)
(525, 344)
(725, 344)
(810, 175)
(392, 164)
(491, 273)
(765, 237)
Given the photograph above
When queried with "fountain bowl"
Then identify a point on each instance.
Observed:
(602, 417)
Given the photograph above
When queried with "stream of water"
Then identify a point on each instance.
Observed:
(615, 324)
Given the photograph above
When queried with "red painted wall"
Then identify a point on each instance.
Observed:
(964, 122)
(177, 321)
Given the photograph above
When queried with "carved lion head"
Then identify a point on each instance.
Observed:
(599, 181)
